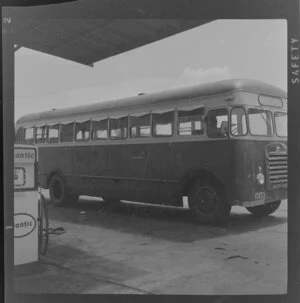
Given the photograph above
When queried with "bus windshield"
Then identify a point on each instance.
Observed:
(260, 122)
(281, 124)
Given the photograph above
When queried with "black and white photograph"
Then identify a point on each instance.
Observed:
(150, 155)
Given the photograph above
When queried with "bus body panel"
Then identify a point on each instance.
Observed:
(154, 174)
(142, 172)
(249, 156)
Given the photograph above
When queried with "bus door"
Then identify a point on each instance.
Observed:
(81, 156)
(218, 149)
(138, 152)
(161, 161)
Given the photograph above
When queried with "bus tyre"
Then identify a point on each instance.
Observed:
(207, 202)
(59, 194)
(264, 210)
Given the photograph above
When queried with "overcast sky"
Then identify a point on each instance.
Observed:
(222, 49)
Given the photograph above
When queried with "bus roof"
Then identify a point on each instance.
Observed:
(198, 91)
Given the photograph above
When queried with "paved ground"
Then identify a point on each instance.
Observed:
(137, 249)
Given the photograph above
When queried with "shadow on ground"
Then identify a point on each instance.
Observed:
(73, 271)
(173, 224)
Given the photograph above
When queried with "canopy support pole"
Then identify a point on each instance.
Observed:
(8, 132)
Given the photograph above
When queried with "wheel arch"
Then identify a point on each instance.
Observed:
(53, 173)
(190, 177)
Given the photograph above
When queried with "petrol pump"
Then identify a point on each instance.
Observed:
(26, 204)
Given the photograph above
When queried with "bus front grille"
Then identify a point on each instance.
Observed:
(277, 169)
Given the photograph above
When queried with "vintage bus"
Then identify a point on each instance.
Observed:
(220, 144)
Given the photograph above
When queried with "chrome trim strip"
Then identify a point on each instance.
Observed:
(157, 140)
(121, 178)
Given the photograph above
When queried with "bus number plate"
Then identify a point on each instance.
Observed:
(260, 196)
(19, 177)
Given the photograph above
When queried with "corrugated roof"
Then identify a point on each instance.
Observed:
(208, 89)
(74, 31)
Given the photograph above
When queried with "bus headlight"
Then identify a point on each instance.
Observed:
(260, 177)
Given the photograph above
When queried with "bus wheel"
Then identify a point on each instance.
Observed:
(264, 210)
(207, 202)
(58, 192)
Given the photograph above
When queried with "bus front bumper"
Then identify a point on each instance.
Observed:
(261, 198)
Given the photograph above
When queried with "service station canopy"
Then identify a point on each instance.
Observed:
(88, 31)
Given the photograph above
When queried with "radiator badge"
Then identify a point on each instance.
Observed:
(260, 196)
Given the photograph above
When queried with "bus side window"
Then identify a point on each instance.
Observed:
(52, 136)
(140, 125)
(100, 129)
(163, 124)
(82, 131)
(190, 121)
(118, 128)
(214, 119)
(281, 124)
(40, 134)
(29, 132)
(66, 132)
(20, 136)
